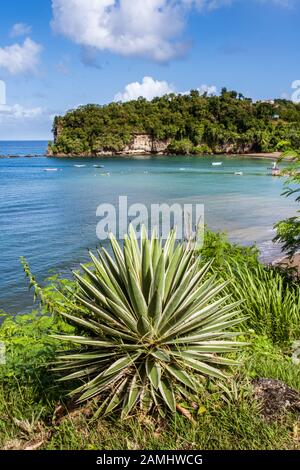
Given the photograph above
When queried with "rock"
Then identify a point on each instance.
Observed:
(276, 398)
(145, 144)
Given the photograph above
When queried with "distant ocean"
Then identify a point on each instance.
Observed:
(23, 148)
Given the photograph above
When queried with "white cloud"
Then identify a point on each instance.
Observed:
(210, 90)
(150, 88)
(20, 29)
(148, 28)
(17, 59)
(145, 28)
(18, 111)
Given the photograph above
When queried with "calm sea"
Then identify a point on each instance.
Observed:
(50, 217)
(23, 148)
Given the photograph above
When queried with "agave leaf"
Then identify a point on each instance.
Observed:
(199, 317)
(138, 302)
(126, 317)
(157, 403)
(79, 374)
(85, 323)
(158, 281)
(116, 397)
(95, 342)
(166, 390)
(94, 387)
(155, 306)
(89, 289)
(171, 271)
(105, 315)
(184, 265)
(136, 254)
(146, 268)
(169, 246)
(134, 391)
(153, 370)
(86, 356)
(155, 250)
(200, 366)
(182, 376)
(98, 327)
(113, 279)
(161, 355)
(120, 364)
(218, 346)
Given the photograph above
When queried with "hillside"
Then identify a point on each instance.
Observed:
(178, 124)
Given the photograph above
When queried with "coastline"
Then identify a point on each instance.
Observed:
(264, 156)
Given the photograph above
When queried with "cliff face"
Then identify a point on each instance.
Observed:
(144, 143)
(141, 144)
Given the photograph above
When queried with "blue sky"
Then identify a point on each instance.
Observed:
(55, 55)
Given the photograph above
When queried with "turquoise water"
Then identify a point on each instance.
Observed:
(50, 217)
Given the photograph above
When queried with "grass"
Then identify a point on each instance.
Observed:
(36, 414)
(29, 406)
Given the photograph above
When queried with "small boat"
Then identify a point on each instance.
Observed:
(217, 163)
(105, 174)
(80, 166)
(275, 169)
(98, 166)
(239, 173)
(51, 169)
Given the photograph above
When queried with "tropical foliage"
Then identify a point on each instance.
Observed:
(272, 305)
(34, 411)
(154, 325)
(192, 123)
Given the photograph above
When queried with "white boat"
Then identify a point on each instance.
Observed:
(217, 163)
(51, 169)
(80, 166)
(98, 166)
(239, 173)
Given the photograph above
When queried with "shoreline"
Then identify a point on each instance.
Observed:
(260, 156)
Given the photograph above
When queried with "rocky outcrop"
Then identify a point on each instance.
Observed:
(141, 144)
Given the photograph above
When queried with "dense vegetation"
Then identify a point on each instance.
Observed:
(192, 123)
(288, 230)
(35, 411)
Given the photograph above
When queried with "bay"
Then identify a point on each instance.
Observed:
(50, 216)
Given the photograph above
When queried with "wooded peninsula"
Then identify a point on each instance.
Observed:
(179, 124)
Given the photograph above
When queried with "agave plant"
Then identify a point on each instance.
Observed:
(154, 325)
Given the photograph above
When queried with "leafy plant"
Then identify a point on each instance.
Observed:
(271, 304)
(217, 247)
(153, 326)
(288, 230)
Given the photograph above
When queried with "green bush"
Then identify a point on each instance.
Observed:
(154, 324)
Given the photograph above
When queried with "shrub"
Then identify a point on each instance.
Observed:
(271, 303)
(153, 326)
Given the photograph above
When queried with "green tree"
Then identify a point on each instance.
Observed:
(288, 230)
